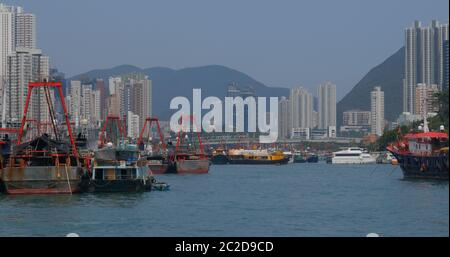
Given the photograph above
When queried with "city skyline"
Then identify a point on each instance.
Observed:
(226, 41)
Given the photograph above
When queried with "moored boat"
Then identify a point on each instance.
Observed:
(299, 157)
(312, 158)
(119, 169)
(241, 156)
(219, 157)
(41, 166)
(352, 155)
(422, 155)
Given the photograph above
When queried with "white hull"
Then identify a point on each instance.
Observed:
(352, 156)
(353, 160)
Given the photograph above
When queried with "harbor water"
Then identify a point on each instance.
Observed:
(309, 199)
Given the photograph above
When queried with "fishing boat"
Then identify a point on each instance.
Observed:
(189, 154)
(219, 157)
(299, 157)
(352, 155)
(312, 158)
(156, 154)
(44, 164)
(119, 169)
(289, 155)
(41, 166)
(422, 154)
(241, 156)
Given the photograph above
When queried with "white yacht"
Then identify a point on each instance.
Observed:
(352, 155)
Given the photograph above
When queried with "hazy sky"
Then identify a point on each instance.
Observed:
(280, 43)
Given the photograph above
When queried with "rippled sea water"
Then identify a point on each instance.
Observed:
(232, 200)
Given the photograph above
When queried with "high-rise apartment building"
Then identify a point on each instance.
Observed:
(23, 66)
(446, 66)
(326, 94)
(301, 108)
(426, 100)
(96, 107)
(25, 29)
(284, 118)
(86, 103)
(132, 93)
(20, 63)
(377, 111)
(103, 94)
(75, 102)
(424, 59)
(133, 125)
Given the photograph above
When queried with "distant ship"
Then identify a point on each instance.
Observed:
(352, 155)
(241, 156)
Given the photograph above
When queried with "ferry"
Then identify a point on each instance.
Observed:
(352, 155)
(241, 156)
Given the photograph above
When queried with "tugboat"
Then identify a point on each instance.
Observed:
(422, 154)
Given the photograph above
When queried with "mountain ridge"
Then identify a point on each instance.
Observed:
(214, 79)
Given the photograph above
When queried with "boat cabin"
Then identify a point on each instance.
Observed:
(109, 173)
(426, 143)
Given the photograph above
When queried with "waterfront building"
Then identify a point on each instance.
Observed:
(356, 121)
(301, 133)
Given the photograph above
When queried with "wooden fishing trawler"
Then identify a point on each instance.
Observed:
(422, 154)
(43, 165)
(119, 169)
(189, 155)
(156, 154)
(117, 166)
